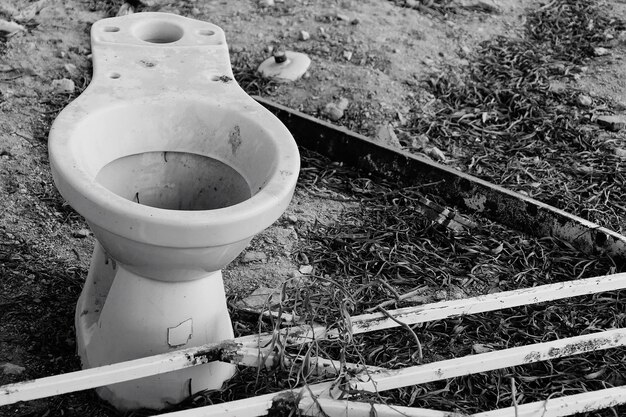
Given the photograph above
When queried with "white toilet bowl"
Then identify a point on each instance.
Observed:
(175, 169)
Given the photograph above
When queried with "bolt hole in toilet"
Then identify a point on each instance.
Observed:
(174, 174)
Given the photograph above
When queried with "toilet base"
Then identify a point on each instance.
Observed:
(122, 316)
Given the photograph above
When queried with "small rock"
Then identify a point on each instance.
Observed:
(260, 299)
(81, 233)
(304, 35)
(386, 134)
(600, 51)
(355, 21)
(347, 55)
(342, 17)
(612, 123)
(584, 100)
(436, 153)
(306, 269)
(419, 142)
(8, 29)
(343, 103)
(583, 169)
(253, 256)
(412, 4)
(266, 3)
(441, 295)
(12, 369)
(620, 152)
(481, 348)
(295, 274)
(557, 86)
(64, 85)
(333, 112)
(125, 10)
(292, 218)
(72, 70)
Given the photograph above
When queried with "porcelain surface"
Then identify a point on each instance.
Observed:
(175, 169)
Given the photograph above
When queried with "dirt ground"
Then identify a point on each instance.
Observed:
(373, 53)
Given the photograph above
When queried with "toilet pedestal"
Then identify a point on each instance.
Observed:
(122, 316)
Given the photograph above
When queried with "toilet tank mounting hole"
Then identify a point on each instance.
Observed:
(159, 32)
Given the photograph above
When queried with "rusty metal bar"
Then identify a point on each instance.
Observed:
(457, 188)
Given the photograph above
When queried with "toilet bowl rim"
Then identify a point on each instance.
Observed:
(158, 226)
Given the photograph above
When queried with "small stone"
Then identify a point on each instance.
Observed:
(557, 86)
(342, 17)
(412, 3)
(584, 100)
(441, 295)
(386, 134)
(600, 51)
(355, 21)
(343, 103)
(260, 299)
(304, 35)
(612, 123)
(347, 55)
(436, 154)
(81, 233)
(306, 269)
(71, 69)
(64, 85)
(292, 218)
(253, 256)
(8, 29)
(481, 348)
(620, 153)
(125, 10)
(12, 369)
(419, 142)
(266, 3)
(333, 112)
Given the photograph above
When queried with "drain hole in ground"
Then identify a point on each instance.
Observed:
(175, 181)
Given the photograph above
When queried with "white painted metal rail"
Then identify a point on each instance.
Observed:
(318, 399)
